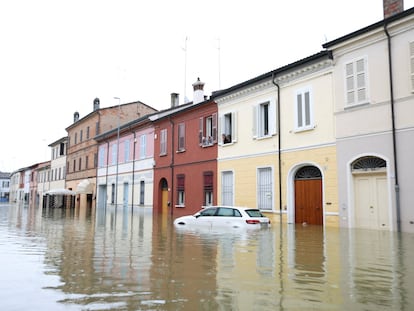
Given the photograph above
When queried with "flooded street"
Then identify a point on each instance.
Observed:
(57, 259)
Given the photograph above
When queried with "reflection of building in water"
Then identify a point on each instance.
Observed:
(184, 267)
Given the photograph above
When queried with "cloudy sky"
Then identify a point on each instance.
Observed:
(57, 56)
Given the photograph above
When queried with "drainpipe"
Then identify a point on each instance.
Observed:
(279, 148)
(133, 170)
(172, 165)
(396, 186)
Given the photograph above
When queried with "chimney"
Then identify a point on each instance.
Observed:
(75, 117)
(392, 7)
(96, 104)
(174, 100)
(198, 87)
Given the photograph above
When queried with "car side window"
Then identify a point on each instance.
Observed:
(227, 212)
(208, 212)
(237, 213)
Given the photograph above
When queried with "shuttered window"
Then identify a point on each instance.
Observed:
(356, 82)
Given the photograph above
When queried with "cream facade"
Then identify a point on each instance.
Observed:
(374, 109)
(280, 153)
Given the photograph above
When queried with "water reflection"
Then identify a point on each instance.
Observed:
(119, 259)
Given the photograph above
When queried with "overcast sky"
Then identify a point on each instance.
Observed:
(56, 56)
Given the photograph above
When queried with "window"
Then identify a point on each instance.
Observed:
(87, 132)
(86, 162)
(228, 127)
(412, 65)
(101, 160)
(80, 164)
(76, 138)
(180, 190)
(227, 188)
(114, 153)
(142, 146)
(207, 134)
(356, 82)
(126, 150)
(303, 110)
(81, 136)
(208, 188)
(141, 192)
(163, 142)
(181, 137)
(264, 119)
(97, 128)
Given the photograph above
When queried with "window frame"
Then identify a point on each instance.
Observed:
(228, 127)
(354, 77)
(304, 115)
(207, 134)
(181, 137)
(163, 142)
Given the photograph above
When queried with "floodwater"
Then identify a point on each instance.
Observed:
(78, 259)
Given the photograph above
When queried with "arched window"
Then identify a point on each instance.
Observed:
(368, 163)
(308, 172)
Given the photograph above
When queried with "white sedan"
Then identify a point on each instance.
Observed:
(225, 216)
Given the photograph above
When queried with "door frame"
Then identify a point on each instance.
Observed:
(291, 204)
(351, 189)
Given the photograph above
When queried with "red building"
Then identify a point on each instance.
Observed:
(185, 155)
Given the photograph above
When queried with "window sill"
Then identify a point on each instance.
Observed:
(179, 206)
(353, 106)
(263, 137)
(180, 151)
(304, 129)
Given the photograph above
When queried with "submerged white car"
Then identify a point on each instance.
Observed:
(225, 216)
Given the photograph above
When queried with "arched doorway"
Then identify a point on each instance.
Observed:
(308, 196)
(164, 195)
(370, 193)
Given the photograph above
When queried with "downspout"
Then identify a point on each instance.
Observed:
(278, 145)
(172, 165)
(106, 175)
(396, 186)
(133, 170)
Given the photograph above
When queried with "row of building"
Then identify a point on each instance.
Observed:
(326, 140)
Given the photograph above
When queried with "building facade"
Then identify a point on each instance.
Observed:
(82, 152)
(185, 152)
(125, 165)
(4, 186)
(374, 109)
(277, 151)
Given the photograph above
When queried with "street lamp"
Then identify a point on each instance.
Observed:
(117, 153)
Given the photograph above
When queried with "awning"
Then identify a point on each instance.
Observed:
(85, 186)
(60, 192)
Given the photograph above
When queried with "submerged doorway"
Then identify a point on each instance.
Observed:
(370, 193)
(308, 196)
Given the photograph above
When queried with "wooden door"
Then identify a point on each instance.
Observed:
(308, 201)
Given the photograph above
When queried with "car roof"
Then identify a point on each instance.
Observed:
(230, 206)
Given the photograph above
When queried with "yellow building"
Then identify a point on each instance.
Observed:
(278, 136)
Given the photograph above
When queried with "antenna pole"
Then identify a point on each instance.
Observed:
(185, 69)
(219, 65)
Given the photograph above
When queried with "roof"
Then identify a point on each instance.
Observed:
(369, 28)
(5, 175)
(273, 73)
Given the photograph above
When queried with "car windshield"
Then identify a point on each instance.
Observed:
(254, 213)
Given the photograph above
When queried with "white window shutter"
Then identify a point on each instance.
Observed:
(255, 121)
(234, 127)
(272, 117)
